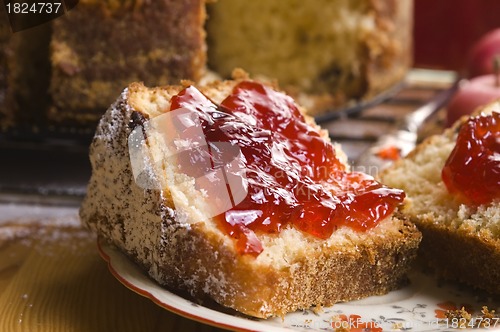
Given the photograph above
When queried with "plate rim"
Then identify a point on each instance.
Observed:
(103, 248)
(110, 252)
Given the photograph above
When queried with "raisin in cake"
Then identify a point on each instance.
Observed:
(298, 230)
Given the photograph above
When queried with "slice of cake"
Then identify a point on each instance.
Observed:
(100, 46)
(24, 76)
(453, 186)
(6, 114)
(228, 191)
(327, 52)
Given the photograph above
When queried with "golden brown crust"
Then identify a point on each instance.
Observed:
(319, 278)
(197, 257)
(390, 50)
(465, 255)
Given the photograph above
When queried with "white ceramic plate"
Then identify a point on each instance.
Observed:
(417, 307)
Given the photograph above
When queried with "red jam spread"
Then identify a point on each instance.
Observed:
(472, 170)
(294, 176)
(391, 152)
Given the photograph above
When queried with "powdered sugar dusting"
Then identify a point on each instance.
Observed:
(115, 109)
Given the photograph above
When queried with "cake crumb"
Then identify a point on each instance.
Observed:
(462, 319)
(318, 309)
(488, 318)
(397, 326)
(487, 314)
(461, 316)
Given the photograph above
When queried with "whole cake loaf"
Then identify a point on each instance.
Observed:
(325, 52)
(228, 191)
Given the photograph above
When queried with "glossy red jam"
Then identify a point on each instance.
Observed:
(389, 153)
(294, 176)
(472, 170)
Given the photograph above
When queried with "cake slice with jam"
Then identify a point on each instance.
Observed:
(453, 185)
(228, 191)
